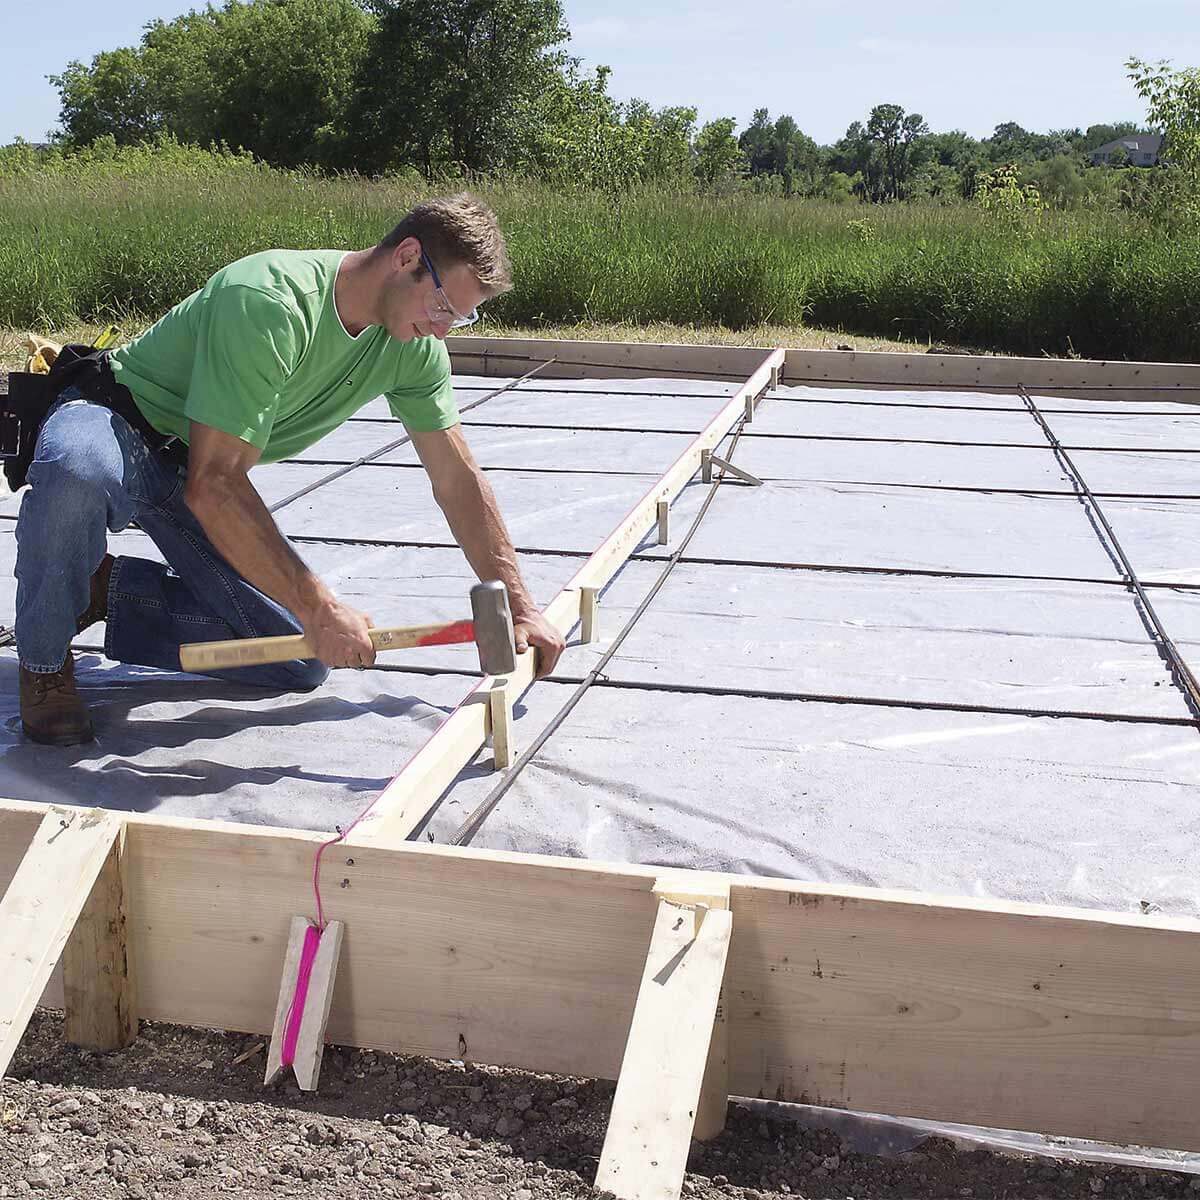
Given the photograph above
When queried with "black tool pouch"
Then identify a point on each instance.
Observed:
(22, 412)
(30, 398)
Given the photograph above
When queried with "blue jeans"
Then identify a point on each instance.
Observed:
(92, 472)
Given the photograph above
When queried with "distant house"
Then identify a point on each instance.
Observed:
(1141, 150)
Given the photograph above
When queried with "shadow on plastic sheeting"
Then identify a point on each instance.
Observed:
(107, 771)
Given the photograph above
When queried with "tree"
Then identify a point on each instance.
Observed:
(227, 75)
(894, 132)
(935, 182)
(718, 156)
(1009, 142)
(112, 97)
(1173, 104)
(756, 143)
(1059, 180)
(663, 139)
(452, 84)
(1173, 99)
(857, 157)
(284, 106)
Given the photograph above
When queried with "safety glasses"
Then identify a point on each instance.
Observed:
(437, 305)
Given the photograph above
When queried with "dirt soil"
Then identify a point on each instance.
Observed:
(177, 1115)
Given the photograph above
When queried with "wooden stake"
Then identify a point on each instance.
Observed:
(98, 980)
(500, 711)
(659, 1090)
(774, 378)
(589, 617)
(664, 519)
(706, 466)
(749, 409)
(41, 906)
(310, 1044)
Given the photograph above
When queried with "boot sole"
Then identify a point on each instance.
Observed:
(59, 739)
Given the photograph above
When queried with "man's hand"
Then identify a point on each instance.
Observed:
(532, 629)
(338, 634)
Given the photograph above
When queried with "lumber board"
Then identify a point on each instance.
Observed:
(658, 1091)
(904, 1004)
(407, 800)
(1078, 378)
(100, 991)
(506, 357)
(1070, 1022)
(1084, 379)
(40, 906)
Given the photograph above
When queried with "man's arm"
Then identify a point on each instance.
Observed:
(232, 513)
(465, 496)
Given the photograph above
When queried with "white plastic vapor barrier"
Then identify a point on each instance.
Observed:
(689, 751)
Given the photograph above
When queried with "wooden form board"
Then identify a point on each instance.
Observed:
(1080, 379)
(1073, 378)
(406, 801)
(1019, 1016)
(506, 357)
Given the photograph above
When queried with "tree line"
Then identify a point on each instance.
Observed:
(486, 88)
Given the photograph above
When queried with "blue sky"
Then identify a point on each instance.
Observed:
(967, 65)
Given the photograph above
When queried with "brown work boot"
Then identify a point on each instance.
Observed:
(51, 709)
(97, 609)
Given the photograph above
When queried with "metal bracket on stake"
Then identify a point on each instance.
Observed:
(708, 460)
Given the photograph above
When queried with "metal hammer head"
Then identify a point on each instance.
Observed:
(493, 628)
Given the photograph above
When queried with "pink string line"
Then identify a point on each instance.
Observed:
(291, 1031)
(312, 935)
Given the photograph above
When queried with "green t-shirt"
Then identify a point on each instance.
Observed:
(261, 353)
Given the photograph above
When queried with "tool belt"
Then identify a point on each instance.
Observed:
(30, 397)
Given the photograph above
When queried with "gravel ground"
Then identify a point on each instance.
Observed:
(177, 1115)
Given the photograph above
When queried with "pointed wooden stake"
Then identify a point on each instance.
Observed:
(589, 622)
(310, 1044)
(501, 714)
(664, 519)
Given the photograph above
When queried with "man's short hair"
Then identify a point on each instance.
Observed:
(459, 229)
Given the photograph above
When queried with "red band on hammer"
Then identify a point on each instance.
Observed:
(460, 631)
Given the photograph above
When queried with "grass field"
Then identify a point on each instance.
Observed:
(124, 240)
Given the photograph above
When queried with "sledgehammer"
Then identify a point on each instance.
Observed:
(491, 630)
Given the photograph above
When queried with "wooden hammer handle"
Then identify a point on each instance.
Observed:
(199, 657)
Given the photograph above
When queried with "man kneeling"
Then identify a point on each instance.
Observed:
(274, 352)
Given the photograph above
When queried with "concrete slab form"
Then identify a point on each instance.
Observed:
(991, 1012)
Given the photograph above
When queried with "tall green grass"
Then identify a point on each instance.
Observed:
(127, 235)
